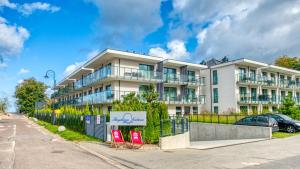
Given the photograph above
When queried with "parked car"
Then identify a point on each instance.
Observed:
(285, 122)
(264, 121)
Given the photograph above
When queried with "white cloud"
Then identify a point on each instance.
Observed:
(20, 81)
(258, 29)
(6, 3)
(129, 20)
(23, 71)
(29, 8)
(175, 50)
(93, 53)
(12, 38)
(3, 65)
(69, 69)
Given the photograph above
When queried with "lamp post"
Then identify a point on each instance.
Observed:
(51, 73)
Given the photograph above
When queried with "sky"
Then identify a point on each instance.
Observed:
(38, 35)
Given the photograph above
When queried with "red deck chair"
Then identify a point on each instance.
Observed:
(118, 139)
(136, 139)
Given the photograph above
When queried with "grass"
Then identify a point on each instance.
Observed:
(67, 134)
(284, 134)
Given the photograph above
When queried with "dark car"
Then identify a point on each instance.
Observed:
(286, 123)
(264, 121)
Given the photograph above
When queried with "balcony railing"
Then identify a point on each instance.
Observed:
(267, 81)
(265, 99)
(183, 79)
(110, 96)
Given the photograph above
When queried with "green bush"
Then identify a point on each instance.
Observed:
(155, 112)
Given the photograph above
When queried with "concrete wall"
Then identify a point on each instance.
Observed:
(212, 131)
(175, 142)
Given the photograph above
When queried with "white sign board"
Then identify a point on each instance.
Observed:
(128, 118)
(98, 119)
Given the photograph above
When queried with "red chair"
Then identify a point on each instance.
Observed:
(136, 139)
(118, 139)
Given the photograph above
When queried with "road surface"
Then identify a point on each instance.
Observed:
(25, 145)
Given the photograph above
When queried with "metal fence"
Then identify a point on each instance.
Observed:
(214, 118)
(173, 126)
(95, 126)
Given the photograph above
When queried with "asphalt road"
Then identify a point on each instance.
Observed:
(24, 145)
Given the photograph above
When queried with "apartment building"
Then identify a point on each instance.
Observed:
(249, 86)
(112, 74)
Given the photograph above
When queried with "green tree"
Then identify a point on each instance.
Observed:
(151, 95)
(289, 108)
(288, 62)
(3, 105)
(28, 93)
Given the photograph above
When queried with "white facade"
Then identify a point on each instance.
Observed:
(251, 87)
(236, 86)
(113, 74)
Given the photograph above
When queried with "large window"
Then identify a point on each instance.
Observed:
(191, 76)
(215, 77)
(187, 110)
(244, 109)
(243, 93)
(216, 95)
(178, 111)
(253, 75)
(146, 71)
(170, 93)
(191, 94)
(169, 74)
(216, 109)
(195, 110)
(242, 74)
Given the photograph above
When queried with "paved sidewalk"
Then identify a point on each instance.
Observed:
(203, 145)
(255, 154)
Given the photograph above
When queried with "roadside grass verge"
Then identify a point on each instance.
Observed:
(222, 119)
(284, 134)
(67, 134)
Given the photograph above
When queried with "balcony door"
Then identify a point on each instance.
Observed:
(170, 93)
(169, 74)
(146, 71)
(243, 93)
(253, 94)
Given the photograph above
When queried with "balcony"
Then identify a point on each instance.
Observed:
(62, 91)
(184, 100)
(247, 79)
(258, 99)
(184, 79)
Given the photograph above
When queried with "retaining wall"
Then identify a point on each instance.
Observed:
(175, 142)
(213, 131)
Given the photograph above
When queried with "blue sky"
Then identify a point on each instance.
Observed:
(37, 35)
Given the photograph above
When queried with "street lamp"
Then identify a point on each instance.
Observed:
(50, 73)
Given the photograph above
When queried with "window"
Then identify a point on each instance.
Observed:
(216, 95)
(242, 75)
(243, 93)
(265, 109)
(253, 94)
(273, 78)
(262, 119)
(143, 89)
(254, 109)
(195, 110)
(264, 76)
(178, 111)
(187, 110)
(191, 76)
(244, 109)
(170, 93)
(146, 71)
(273, 97)
(216, 109)
(253, 75)
(274, 109)
(191, 96)
(215, 77)
(169, 74)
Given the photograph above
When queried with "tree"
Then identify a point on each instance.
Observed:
(289, 107)
(3, 105)
(151, 95)
(288, 62)
(28, 93)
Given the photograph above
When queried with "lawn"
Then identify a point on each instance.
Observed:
(67, 134)
(284, 134)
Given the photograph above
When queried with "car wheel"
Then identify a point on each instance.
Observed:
(290, 129)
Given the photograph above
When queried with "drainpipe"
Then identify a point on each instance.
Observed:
(210, 87)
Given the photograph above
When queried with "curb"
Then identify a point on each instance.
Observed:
(106, 159)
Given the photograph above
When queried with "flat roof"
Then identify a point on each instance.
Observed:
(253, 63)
(126, 55)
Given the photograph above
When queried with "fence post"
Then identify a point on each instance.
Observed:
(226, 119)
(161, 127)
(173, 127)
(218, 118)
(182, 125)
